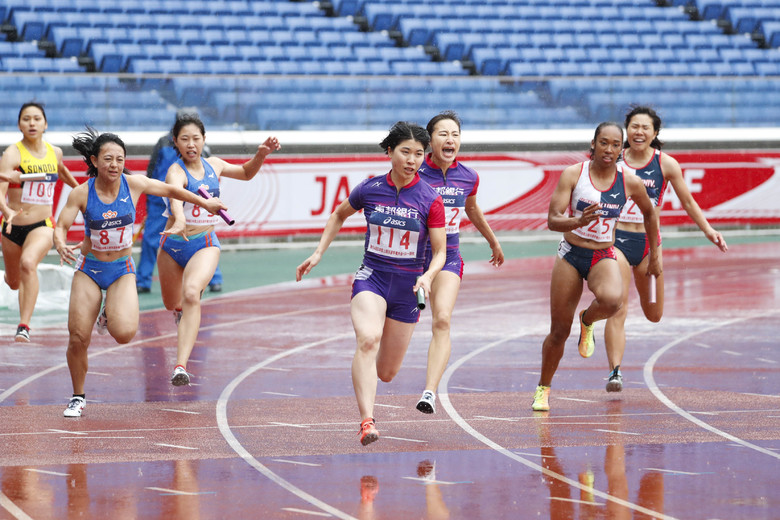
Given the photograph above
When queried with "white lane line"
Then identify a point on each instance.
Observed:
(103, 374)
(109, 437)
(676, 472)
(7, 503)
(291, 425)
(388, 405)
(653, 387)
(761, 395)
(282, 394)
(306, 512)
(297, 462)
(179, 411)
(66, 431)
(444, 398)
(6, 364)
(487, 417)
(403, 439)
(12, 508)
(236, 446)
(731, 352)
(576, 501)
(615, 431)
(428, 481)
(45, 472)
(764, 360)
(275, 368)
(175, 446)
(167, 491)
(467, 389)
(575, 399)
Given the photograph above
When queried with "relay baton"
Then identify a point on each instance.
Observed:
(652, 288)
(420, 298)
(32, 177)
(222, 213)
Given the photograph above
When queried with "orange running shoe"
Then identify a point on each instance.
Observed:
(587, 343)
(368, 432)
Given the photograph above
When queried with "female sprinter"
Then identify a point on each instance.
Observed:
(107, 201)
(457, 184)
(27, 226)
(594, 192)
(401, 212)
(642, 154)
(189, 253)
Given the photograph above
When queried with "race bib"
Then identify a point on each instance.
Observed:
(39, 192)
(393, 236)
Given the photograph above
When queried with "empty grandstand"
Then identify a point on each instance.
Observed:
(360, 64)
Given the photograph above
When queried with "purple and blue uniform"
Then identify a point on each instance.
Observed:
(460, 183)
(634, 245)
(397, 223)
(109, 228)
(602, 229)
(182, 250)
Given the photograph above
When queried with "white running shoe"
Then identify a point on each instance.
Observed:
(427, 403)
(615, 382)
(180, 376)
(75, 407)
(22, 334)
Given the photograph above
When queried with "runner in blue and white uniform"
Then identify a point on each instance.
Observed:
(189, 254)
(402, 213)
(642, 155)
(457, 184)
(594, 193)
(107, 201)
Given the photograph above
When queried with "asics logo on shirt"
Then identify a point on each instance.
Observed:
(377, 183)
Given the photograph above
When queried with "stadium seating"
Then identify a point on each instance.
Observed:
(225, 55)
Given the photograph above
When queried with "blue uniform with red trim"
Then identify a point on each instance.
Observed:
(397, 224)
(634, 245)
(182, 250)
(460, 183)
(110, 228)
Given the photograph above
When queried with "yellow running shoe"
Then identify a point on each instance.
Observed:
(541, 399)
(587, 343)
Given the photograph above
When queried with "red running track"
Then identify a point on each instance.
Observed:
(269, 430)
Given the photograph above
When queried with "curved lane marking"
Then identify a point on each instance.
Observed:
(650, 382)
(236, 446)
(456, 417)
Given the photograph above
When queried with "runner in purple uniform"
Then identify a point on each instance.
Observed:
(594, 192)
(642, 155)
(402, 212)
(457, 184)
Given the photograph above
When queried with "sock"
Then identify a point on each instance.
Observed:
(83, 396)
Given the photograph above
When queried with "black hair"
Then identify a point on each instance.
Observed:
(403, 130)
(441, 116)
(599, 128)
(89, 143)
(29, 104)
(641, 109)
(187, 119)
